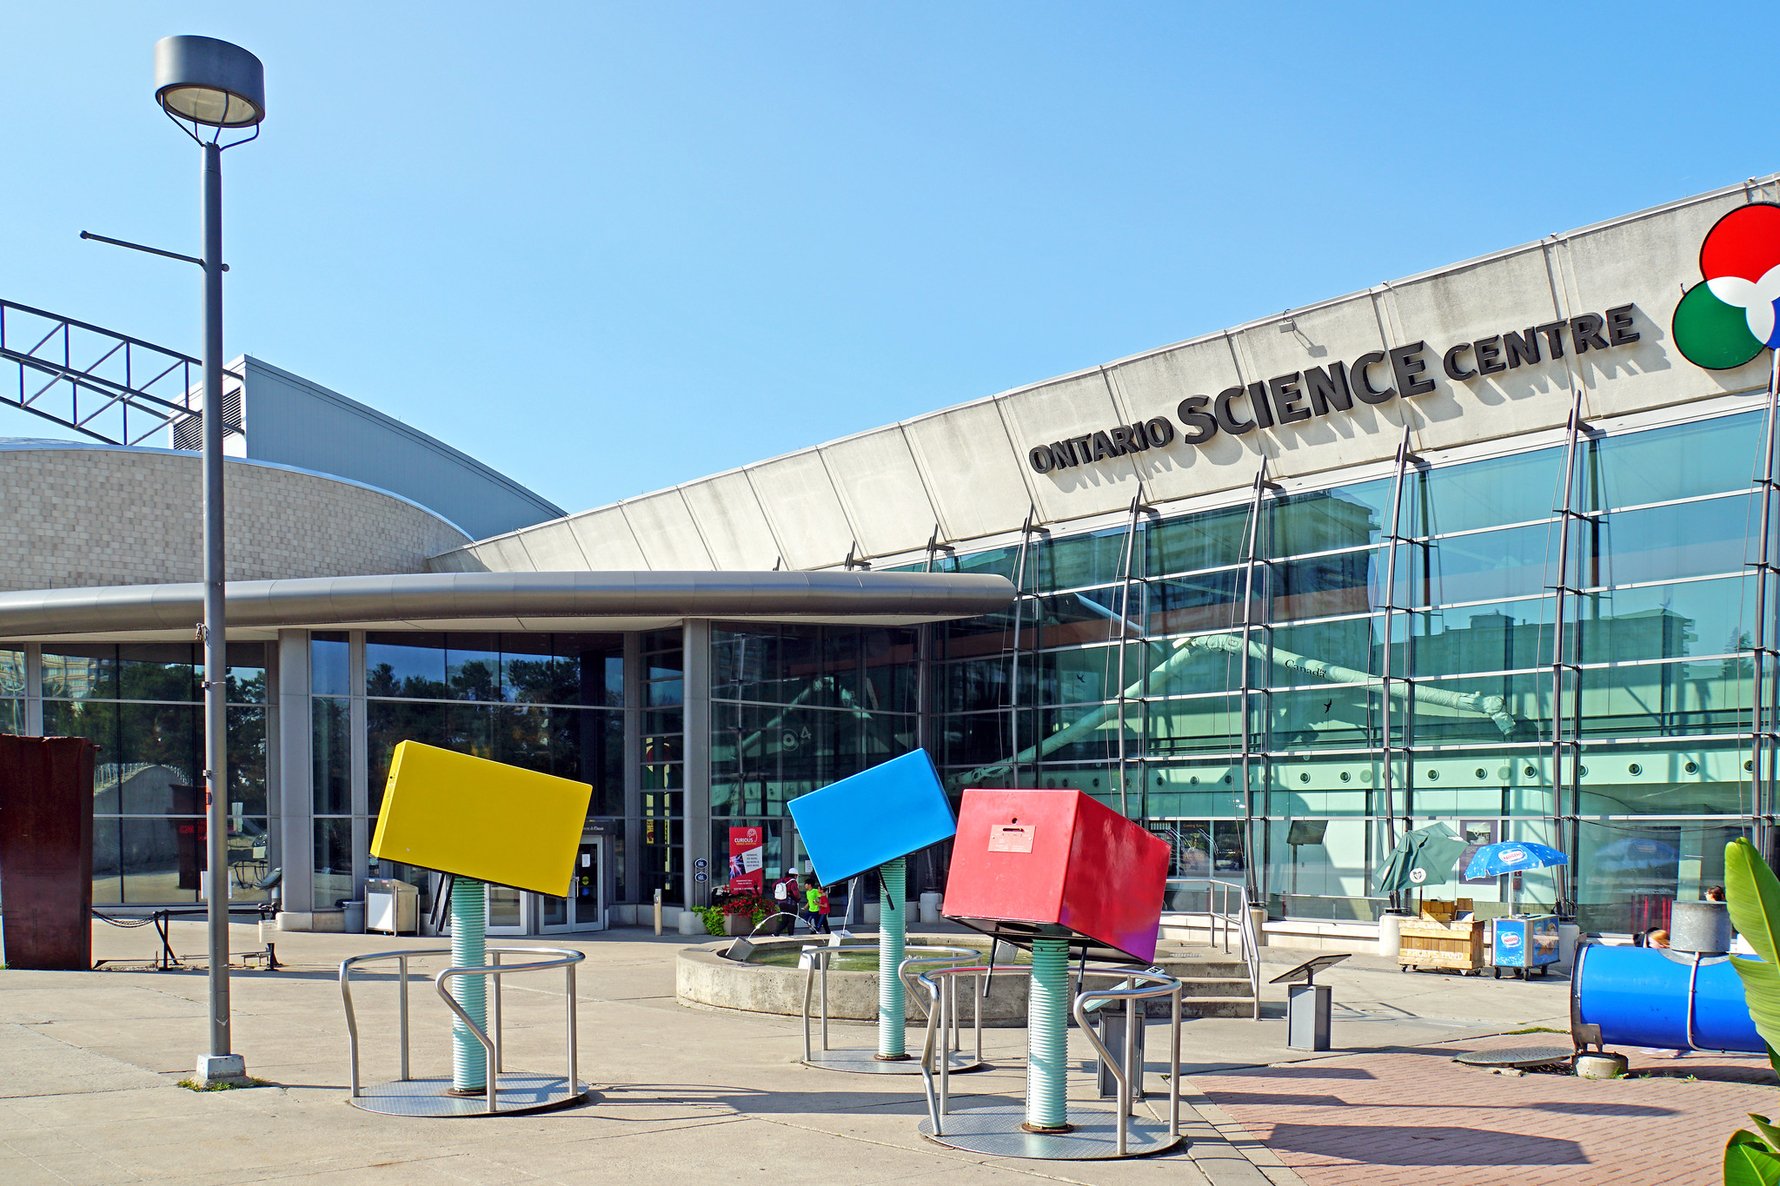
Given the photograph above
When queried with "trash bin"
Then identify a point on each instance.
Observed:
(930, 906)
(355, 916)
(1109, 1024)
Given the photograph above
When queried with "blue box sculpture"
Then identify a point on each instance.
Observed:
(878, 815)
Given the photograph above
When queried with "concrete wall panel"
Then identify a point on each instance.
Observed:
(1154, 386)
(734, 527)
(1647, 261)
(806, 514)
(881, 489)
(606, 540)
(552, 548)
(971, 469)
(1055, 412)
(664, 527)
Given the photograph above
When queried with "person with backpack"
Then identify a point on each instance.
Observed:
(785, 902)
(816, 904)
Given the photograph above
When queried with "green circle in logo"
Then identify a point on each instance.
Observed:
(1712, 333)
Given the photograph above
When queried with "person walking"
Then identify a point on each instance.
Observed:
(816, 904)
(785, 902)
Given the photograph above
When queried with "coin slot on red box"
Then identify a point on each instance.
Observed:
(1014, 837)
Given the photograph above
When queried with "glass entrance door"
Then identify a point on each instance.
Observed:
(585, 907)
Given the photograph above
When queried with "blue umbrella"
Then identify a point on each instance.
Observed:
(1514, 856)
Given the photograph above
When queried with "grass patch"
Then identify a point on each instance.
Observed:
(1535, 1029)
(219, 1085)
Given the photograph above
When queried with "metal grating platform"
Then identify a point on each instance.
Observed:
(1524, 1057)
(866, 1062)
(519, 1093)
(996, 1132)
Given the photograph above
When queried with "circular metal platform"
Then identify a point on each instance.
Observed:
(996, 1132)
(1523, 1057)
(867, 1062)
(519, 1093)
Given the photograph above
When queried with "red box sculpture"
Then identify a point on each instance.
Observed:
(1027, 864)
(46, 852)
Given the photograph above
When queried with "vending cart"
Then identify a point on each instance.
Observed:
(1522, 943)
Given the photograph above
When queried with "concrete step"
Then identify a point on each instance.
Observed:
(1216, 986)
(1209, 1006)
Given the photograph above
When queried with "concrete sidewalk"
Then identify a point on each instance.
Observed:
(92, 1059)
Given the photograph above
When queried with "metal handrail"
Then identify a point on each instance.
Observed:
(914, 953)
(560, 957)
(1131, 990)
(1222, 921)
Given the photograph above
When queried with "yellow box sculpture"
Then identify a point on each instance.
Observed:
(471, 817)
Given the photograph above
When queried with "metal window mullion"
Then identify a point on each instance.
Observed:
(1123, 640)
(1013, 688)
(1250, 562)
(1560, 647)
(1760, 785)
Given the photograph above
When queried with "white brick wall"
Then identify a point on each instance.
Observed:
(77, 515)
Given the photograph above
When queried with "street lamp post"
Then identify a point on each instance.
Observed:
(209, 87)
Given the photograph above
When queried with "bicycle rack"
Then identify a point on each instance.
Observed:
(508, 1093)
(865, 1060)
(1095, 1132)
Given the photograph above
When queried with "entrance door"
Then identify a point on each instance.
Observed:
(506, 915)
(585, 907)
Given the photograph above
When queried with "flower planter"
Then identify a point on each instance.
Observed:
(737, 924)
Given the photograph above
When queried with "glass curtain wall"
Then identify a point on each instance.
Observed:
(142, 705)
(1239, 674)
(546, 702)
(794, 708)
(664, 766)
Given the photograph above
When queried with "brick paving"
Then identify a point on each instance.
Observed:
(1416, 1117)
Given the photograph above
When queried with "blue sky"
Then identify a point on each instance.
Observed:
(606, 248)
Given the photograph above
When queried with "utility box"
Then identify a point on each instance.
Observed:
(392, 906)
(1057, 863)
(893, 809)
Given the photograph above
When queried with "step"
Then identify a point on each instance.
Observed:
(1216, 986)
(1205, 1006)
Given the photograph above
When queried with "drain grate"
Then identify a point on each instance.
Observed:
(1523, 1057)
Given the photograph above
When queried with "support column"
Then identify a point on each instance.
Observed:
(892, 936)
(296, 773)
(1047, 1038)
(696, 657)
(469, 949)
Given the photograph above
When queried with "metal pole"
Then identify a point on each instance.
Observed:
(1761, 808)
(216, 736)
(892, 934)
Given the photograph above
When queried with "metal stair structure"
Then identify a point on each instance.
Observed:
(106, 386)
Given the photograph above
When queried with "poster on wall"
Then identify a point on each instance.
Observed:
(1475, 833)
(747, 860)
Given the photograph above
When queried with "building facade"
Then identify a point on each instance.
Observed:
(1479, 546)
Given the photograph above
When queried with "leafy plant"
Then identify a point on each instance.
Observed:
(1753, 894)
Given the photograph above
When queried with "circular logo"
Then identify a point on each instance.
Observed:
(1509, 939)
(1418, 875)
(1733, 316)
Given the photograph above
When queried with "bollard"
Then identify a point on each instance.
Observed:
(658, 912)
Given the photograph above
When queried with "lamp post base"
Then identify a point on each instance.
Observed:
(221, 1069)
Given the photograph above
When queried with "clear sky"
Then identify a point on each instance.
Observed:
(606, 248)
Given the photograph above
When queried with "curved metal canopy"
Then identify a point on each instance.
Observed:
(457, 597)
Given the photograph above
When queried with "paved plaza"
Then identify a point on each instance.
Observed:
(698, 1095)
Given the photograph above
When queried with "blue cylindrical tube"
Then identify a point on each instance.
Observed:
(892, 940)
(469, 949)
(1639, 997)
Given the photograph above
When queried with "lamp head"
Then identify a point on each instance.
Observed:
(209, 82)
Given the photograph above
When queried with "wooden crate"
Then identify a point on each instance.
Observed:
(1454, 946)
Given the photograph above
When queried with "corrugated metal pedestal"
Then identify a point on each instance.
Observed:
(997, 1132)
(518, 1093)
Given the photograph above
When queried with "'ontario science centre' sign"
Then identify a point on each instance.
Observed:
(1376, 377)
